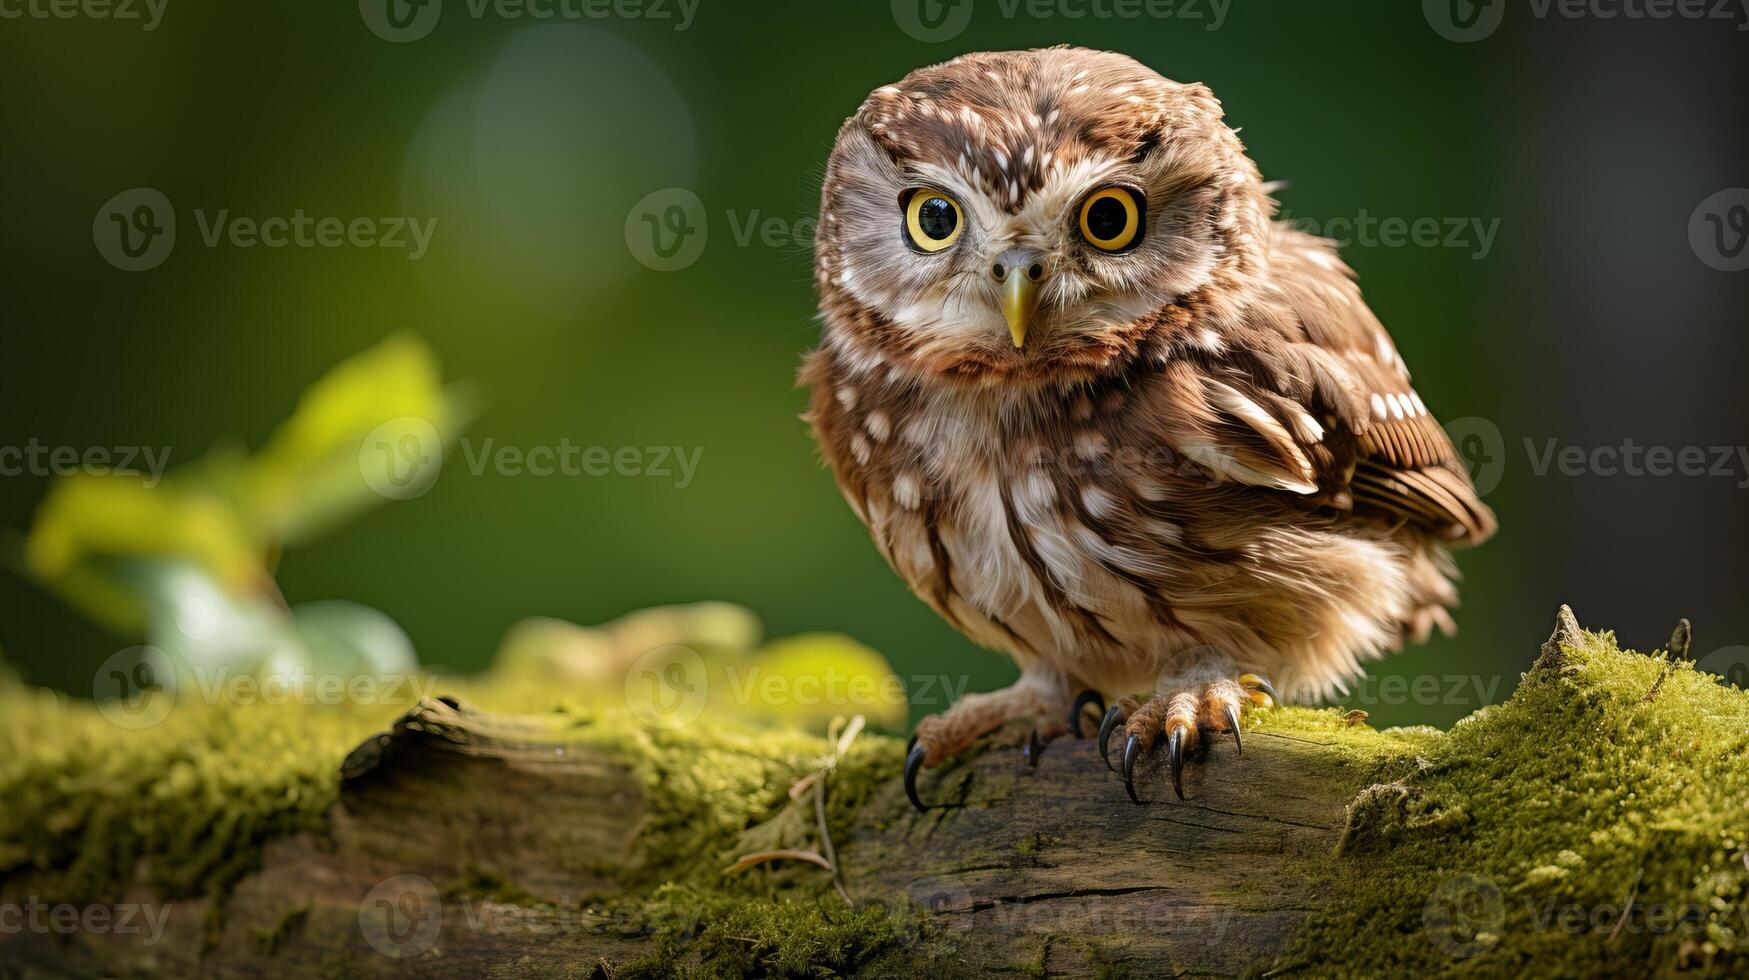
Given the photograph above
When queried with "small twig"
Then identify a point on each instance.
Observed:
(1633, 892)
(842, 749)
(826, 840)
(1663, 672)
(749, 860)
(1681, 639)
(1567, 633)
(853, 729)
(817, 782)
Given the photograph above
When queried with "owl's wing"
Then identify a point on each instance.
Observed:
(1312, 398)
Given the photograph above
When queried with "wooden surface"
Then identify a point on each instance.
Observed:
(1028, 867)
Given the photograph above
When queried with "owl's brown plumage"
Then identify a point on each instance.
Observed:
(1198, 448)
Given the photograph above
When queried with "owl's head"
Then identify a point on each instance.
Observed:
(1015, 214)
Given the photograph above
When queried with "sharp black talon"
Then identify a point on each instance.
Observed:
(1113, 718)
(1269, 689)
(1131, 749)
(913, 762)
(1034, 748)
(1175, 759)
(1082, 700)
(1233, 723)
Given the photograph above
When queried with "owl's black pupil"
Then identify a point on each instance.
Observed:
(937, 218)
(1106, 219)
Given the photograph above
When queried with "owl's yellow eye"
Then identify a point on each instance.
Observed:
(933, 220)
(1112, 219)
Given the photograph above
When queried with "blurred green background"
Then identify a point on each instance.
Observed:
(530, 141)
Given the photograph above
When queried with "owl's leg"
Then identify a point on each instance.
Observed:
(951, 732)
(1183, 707)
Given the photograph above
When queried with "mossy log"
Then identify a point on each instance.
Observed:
(468, 844)
(1026, 865)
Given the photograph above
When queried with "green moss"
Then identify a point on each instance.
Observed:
(1512, 842)
(1516, 841)
(706, 933)
(708, 783)
(272, 939)
(488, 884)
(184, 805)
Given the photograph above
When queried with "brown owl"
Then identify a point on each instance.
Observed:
(1107, 416)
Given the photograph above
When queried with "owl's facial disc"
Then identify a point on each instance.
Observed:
(1023, 214)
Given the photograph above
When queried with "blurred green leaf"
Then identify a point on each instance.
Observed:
(200, 624)
(90, 523)
(324, 466)
(348, 639)
(148, 556)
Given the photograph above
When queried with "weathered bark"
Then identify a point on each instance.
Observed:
(1039, 867)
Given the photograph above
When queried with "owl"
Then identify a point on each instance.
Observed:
(1108, 416)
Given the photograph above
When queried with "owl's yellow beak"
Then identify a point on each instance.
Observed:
(1019, 302)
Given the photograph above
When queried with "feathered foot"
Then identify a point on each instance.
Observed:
(1181, 710)
(940, 737)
